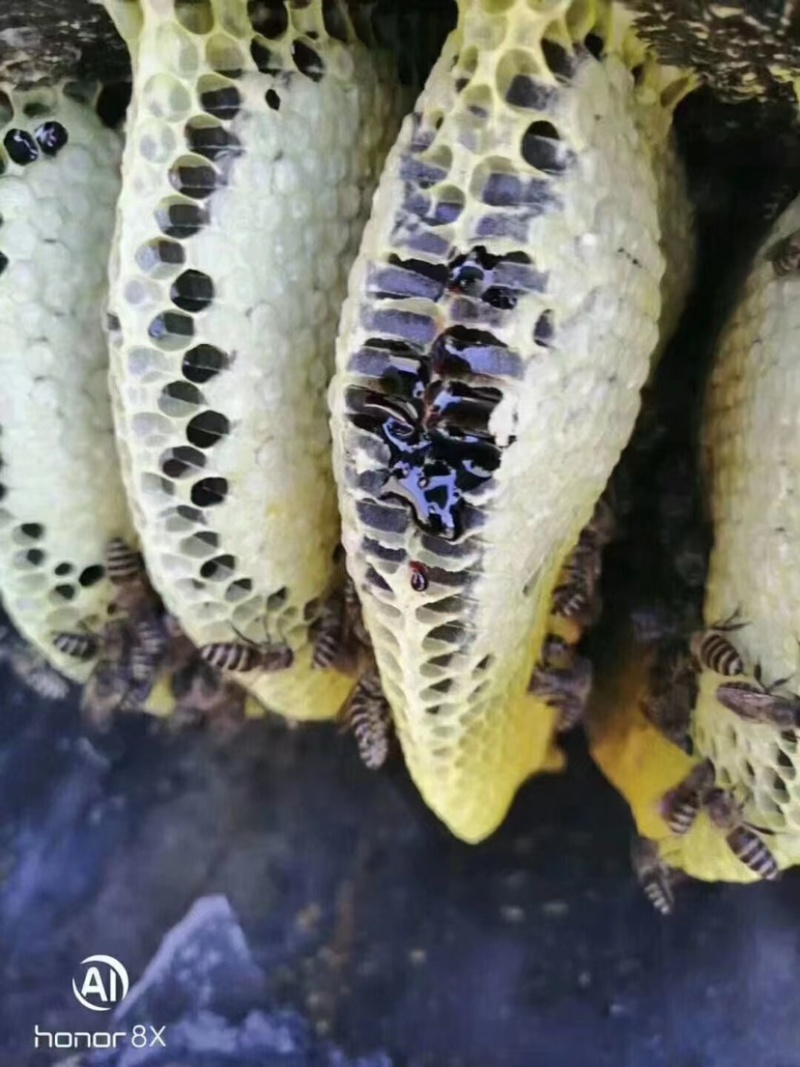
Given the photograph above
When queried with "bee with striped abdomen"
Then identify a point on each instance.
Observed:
(681, 805)
(712, 649)
(123, 563)
(33, 670)
(149, 646)
(246, 655)
(563, 680)
(785, 255)
(743, 839)
(367, 715)
(672, 692)
(328, 632)
(574, 595)
(653, 875)
(82, 646)
(756, 703)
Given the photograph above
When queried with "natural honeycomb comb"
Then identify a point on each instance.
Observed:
(501, 319)
(254, 141)
(750, 443)
(61, 497)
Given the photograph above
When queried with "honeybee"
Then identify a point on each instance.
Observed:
(123, 563)
(149, 646)
(602, 527)
(713, 650)
(681, 805)
(757, 703)
(575, 590)
(82, 646)
(108, 690)
(246, 655)
(33, 670)
(672, 692)
(652, 623)
(329, 632)
(202, 696)
(742, 838)
(653, 874)
(368, 716)
(353, 615)
(785, 255)
(563, 680)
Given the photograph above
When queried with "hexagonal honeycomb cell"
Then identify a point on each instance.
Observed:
(61, 497)
(254, 141)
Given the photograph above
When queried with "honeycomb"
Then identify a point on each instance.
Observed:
(750, 444)
(751, 441)
(254, 141)
(505, 300)
(61, 496)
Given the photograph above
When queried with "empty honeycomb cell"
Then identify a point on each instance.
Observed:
(90, 576)
(64, 591)
(218, 96)
(203, 362)
(63, 569)
(51, 137)
(170, 330)
(165, 97)
(180, 218)
(197, 547)
(179, 399)
(209, 138)
(196, 16)
(209, 492)
(21, 147)
(176, 49)
(266, 59)
(181, 461)
(153, 485)
(193, 176)
(34, 557)
(544, 329)
(542, 148)
(218, 569)
(207, 429)
(160, 257)
(273, 99)
(308, 60)
(224, 56)
(270, 18)
(192, 291)
(157, 141)
(238, 590)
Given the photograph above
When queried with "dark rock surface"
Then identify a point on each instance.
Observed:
(366, 918)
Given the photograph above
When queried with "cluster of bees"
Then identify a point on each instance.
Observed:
(562, 678)
(340, 641)
(138, 645)
(141, 643)
(671, 697)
